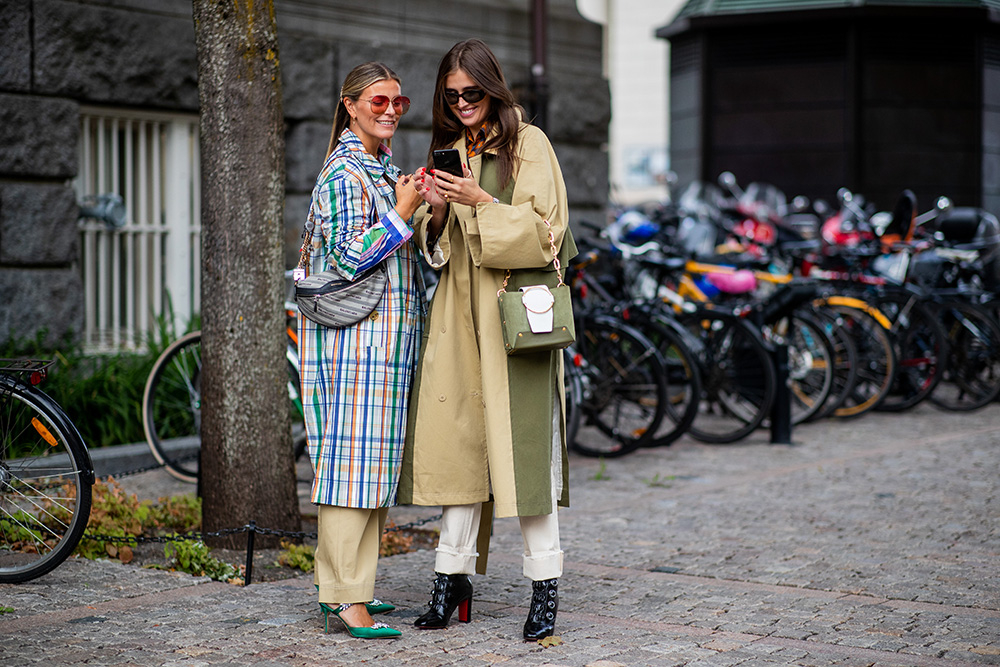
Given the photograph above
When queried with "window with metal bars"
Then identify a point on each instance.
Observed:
(147, 271)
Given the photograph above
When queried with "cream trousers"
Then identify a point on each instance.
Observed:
(456, 551)
(347, 553)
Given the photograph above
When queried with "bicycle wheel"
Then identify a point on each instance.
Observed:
(295, 411)
(876, 359)
(972, 374)
(845, 358)
(811, 362)
(624, 387)
(573, 382)
(171, 407)
(737, 374)
(45, 483)
(921, 348)
(683, 376)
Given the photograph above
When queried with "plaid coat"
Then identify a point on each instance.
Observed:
(356, 380)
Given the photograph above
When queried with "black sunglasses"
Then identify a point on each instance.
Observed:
(471, 96)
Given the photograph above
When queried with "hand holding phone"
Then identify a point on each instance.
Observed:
(448, 160)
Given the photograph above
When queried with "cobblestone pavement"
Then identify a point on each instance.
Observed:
(867, 542)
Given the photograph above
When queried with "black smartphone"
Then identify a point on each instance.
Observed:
(448, 160)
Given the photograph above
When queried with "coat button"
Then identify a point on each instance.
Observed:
(441, 398)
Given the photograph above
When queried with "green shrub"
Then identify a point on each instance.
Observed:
(195, 558)
(300, 556)
(119, 514)
(102, 394)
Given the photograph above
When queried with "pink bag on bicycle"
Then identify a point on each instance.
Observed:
(740, 281)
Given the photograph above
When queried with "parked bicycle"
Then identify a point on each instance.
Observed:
(46, 475)
(171, 402)
(660, 376)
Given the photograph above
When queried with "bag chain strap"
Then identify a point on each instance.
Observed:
(555, 262)
(306, 250)
(307, 233)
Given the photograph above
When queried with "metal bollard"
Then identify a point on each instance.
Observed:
(251, 531)
(781, 411)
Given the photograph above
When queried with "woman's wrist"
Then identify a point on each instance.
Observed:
(406, 212)
(435, 225)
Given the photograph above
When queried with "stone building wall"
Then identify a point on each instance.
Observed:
(57, 55)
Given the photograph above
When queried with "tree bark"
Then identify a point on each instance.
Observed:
(247, 463)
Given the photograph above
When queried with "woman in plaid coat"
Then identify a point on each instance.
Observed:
(356, 380)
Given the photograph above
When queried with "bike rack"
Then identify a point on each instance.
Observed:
(781, 411)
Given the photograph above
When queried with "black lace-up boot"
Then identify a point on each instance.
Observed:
(544, 605)
(450, 591)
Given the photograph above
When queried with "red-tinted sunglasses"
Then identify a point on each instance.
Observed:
(381, 102)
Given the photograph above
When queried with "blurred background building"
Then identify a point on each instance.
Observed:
(812, 95)
(636, 64)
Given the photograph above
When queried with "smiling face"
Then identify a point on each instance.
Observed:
(471, 114)
(370, 127)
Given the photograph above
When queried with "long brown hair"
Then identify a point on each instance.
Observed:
(477, 60)
(355, 83)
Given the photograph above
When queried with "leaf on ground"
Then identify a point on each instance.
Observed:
(125, 554)
(554, 640)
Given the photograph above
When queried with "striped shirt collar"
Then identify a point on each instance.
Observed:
(351, 145)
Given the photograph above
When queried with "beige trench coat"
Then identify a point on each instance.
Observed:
(484, 422)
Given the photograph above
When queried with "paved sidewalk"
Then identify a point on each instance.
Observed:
(867, 542)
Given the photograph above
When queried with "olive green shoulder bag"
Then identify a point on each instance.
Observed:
(538, 317)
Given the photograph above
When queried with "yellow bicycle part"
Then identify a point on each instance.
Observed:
(852, 302)
(44, 432)
(764, 276)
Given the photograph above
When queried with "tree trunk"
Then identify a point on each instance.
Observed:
(247, 464)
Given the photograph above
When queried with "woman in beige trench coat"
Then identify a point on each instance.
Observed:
(487, 426)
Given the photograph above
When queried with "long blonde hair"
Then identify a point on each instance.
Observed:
(355, 83)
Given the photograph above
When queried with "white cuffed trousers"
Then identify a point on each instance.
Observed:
(456, 551)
